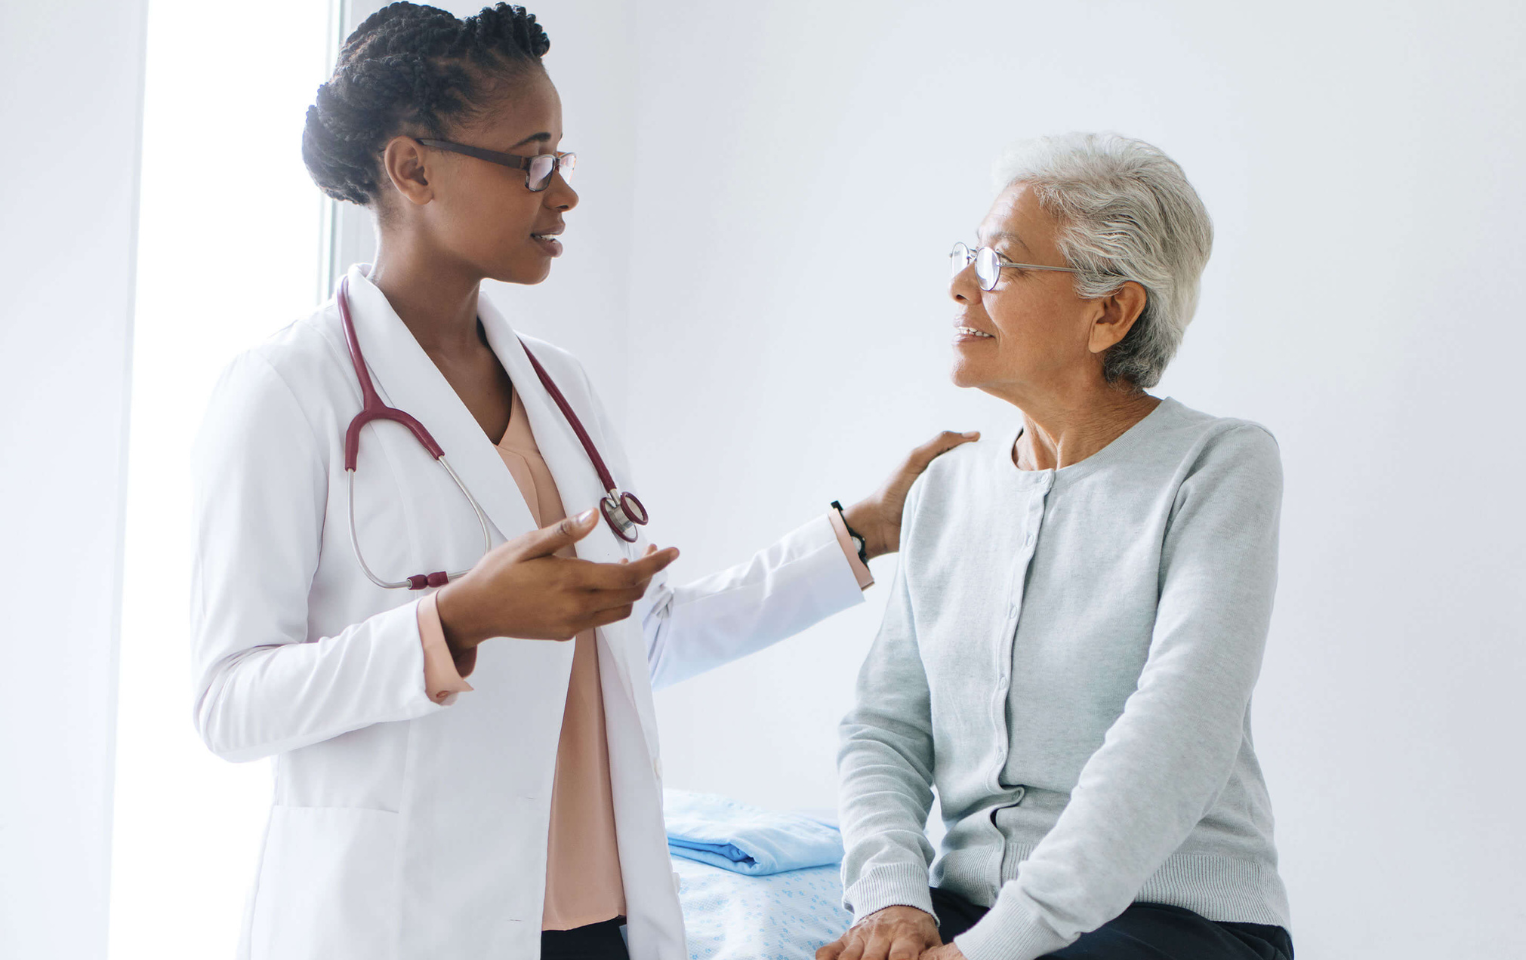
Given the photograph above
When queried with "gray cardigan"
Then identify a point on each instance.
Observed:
(1068, 657)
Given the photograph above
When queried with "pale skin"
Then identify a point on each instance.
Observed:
(1043, 354)
(445, 223)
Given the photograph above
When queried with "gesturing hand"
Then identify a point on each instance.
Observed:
(521, 589)
(894, 933)
(946, 952)
(877, 517)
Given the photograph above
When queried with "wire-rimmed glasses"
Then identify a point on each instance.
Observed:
(538, 169)
(989, 264)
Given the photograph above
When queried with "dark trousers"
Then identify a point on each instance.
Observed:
(1145, 931)
(597, 941)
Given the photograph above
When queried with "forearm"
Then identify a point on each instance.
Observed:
(789, 586)
(268, 699)
(885, 767)
(884, 799)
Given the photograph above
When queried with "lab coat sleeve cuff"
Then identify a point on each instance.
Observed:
(860, 570)
(441, 678)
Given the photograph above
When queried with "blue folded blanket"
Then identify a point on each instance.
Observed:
(746, 839)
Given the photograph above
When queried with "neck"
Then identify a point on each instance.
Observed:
(1065, 428)
(436, 299)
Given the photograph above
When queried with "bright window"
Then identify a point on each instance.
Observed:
(228, 253)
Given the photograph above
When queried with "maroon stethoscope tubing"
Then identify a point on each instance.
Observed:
(622, 511)
(617, 504)
(371, 407)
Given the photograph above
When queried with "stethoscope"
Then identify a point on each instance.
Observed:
(621, 510)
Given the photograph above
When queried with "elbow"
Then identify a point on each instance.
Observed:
(221, 736)
(221, 728)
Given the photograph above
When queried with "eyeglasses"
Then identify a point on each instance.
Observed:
(538, 169)
(989, 263)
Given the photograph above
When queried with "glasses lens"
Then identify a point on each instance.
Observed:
(958, 258)
(987, 268)
(567, 163)
(541, 168)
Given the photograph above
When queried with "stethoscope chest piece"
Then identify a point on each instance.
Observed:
(624, 513)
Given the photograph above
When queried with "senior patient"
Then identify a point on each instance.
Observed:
(1071, 643)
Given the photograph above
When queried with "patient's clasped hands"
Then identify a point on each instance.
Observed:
(894, 933)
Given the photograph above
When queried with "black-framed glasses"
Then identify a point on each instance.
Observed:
(538, 169)
(989, 263)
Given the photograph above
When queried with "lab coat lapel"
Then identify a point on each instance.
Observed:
(407, 379)
(577, 481)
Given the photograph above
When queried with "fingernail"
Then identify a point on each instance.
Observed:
(587, 515)
(972, 434)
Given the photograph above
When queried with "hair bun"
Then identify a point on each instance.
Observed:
(516, 24)
(409, 66)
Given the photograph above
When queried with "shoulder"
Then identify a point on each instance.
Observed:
(283, 380)
(965, 461)
(1208, 437)
(308, 353)
(1227, 452)
(564, 368)
(955, 476)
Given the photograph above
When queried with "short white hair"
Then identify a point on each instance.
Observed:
(1126, 212)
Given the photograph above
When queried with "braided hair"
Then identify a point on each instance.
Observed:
(410, 66)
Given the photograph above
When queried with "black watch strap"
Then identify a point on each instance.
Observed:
(854, 535)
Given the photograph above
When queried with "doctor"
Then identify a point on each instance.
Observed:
(454, 675)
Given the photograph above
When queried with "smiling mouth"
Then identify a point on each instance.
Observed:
(972, 332)
(548, 243)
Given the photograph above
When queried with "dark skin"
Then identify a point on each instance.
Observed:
(445, 223)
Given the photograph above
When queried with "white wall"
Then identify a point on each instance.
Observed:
(72, 78)
(802, 170)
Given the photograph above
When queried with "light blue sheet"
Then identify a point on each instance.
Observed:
(781, 916)
(746, 839)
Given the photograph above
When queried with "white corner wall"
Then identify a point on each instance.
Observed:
(73, 76)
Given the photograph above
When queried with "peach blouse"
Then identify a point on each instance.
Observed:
(583, 882)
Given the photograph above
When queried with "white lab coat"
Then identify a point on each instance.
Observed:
(402, 829)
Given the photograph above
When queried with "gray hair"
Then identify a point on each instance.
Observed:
(1126, 212)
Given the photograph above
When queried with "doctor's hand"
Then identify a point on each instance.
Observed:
(894, 933)
(877, 518)
(521, 589)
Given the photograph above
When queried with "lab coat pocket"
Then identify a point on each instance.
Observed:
(328, 885)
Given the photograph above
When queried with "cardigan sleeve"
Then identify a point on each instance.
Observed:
(885, 762)
(1167, 757)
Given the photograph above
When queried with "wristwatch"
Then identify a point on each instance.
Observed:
(854, 535)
